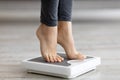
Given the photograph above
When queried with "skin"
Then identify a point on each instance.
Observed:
(49, 37)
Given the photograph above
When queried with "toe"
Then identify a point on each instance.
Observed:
(51, 59)
(60, 58)
(54, 58)
(81, 57)
(47, 58)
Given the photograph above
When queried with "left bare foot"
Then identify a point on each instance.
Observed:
(65, 39)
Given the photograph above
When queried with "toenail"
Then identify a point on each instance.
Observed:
(59, 60)
(62, 58)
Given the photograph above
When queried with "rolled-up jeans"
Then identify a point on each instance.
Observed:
(53, 11)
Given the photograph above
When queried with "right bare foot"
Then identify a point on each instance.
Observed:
(48, 42)
(65, 39)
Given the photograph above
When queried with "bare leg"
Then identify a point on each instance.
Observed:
(65, 39)
(48, 42)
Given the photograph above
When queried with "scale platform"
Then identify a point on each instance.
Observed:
(66, 69)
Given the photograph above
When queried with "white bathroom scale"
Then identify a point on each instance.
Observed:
(66, 69)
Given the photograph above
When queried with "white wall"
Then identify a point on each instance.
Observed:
(29, 10)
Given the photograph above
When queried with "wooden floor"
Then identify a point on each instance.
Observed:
(18, 42)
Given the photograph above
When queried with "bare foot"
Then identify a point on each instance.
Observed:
(65, 39)
(48, 42)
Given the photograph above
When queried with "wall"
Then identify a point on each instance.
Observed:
(29, 10)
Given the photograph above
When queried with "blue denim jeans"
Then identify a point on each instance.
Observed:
(53, 11)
